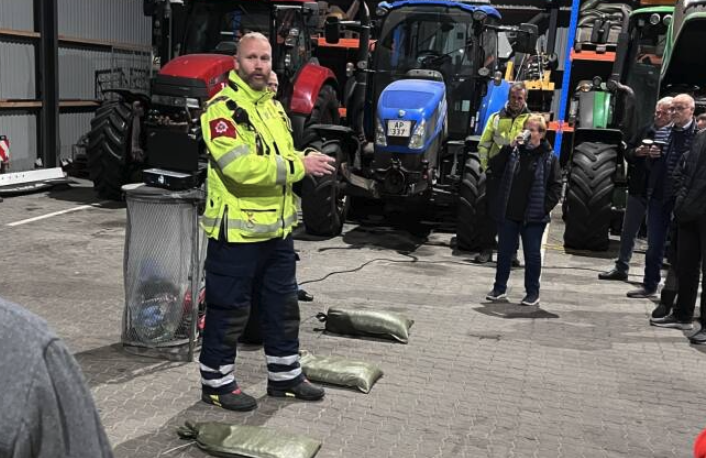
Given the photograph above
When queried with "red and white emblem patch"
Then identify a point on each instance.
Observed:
(222, 127)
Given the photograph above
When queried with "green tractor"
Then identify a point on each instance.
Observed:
(684, 68)
(607, 114)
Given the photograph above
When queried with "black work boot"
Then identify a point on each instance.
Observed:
(304, 296)
(237, 400)
(306, 391)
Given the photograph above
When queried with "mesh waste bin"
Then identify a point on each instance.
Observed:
(162, 272)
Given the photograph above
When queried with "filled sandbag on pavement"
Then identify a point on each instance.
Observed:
(339, 371)
(235, 441)
(370, 323)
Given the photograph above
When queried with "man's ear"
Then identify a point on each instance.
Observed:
(235, 62)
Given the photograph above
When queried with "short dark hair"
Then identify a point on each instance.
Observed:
(518, 86)
(701, 117)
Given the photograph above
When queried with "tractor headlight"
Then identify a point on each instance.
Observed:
(419, 135)
(667, 19)
(655, 19)
(192, 103)
(380, 138)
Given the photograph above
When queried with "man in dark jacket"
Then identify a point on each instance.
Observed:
(638, 156)
(690, 213)
(524, 184)
(661, 191)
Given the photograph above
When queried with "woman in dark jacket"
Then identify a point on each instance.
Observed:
(524, 184)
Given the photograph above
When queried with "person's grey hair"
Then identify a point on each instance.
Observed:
(665, 101)
(688, 98)
(518, 86)
(251, 36)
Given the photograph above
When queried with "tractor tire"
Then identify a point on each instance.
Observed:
(322, 197)
(589, 196)
(108, 150)
(325, 112)
(471, 213)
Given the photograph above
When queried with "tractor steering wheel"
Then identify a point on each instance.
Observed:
(428, 57)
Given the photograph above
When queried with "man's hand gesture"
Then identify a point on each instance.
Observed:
(318, 164)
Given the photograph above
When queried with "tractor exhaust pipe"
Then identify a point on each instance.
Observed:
(361, 68)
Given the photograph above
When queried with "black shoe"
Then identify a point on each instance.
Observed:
(483, 257)
(642, 293)
(306, 391)
(496, 296)
(237, 400)
(614, 274)
(699, 338)
(661, 311)
(670, 322)
(304, 296)
(530, 299)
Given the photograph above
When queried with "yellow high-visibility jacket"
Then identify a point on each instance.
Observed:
(499, 131)
(252, 165)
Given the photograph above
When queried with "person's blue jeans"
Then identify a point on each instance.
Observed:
(659, 217)
(634, 214)
(509, 233)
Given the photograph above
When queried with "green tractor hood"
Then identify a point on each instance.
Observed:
(684, 62)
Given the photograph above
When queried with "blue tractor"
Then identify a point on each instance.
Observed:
(413, 108)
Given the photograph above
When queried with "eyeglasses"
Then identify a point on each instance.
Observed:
(680, 107)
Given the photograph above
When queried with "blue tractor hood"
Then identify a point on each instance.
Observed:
(414, 100)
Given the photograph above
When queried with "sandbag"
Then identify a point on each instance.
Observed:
(339, 371)
(231, 441)
(369, 323)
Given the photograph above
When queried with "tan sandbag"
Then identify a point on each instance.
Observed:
(236, 441)
(371, 323)
(339, 371)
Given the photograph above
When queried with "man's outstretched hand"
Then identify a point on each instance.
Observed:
(318, 164)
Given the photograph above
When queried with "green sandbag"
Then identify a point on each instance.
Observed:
(371, 323)
(339, 371)
(231, 441)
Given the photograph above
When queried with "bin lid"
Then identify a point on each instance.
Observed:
(143, 191)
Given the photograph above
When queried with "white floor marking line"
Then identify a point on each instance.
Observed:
(50, 215)
(543, 250)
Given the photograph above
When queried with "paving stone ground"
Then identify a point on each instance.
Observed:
(584, 375)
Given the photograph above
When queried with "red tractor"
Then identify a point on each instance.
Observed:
(136, 130)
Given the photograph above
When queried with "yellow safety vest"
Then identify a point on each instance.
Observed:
(499, 131)
(252, 166)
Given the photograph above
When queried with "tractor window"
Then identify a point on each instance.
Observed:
(292, 48)
(425, 38)
(211, 22)
(648, 41)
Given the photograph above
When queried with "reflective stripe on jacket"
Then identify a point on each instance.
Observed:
(252, 166)
(499, 131)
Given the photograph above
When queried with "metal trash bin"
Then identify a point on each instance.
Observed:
(162, 269)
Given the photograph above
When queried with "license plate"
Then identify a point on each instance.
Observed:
(399, 128)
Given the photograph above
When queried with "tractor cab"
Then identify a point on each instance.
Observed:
(437, 44)
(216, 27)
(684, 68)
(648, 31)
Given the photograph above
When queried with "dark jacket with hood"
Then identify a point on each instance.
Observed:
(538, 168)
(661, 179)
(690, 182)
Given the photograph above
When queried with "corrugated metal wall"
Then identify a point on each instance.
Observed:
(110, 20)
(17, 15)
(17, 76)
(80, 66)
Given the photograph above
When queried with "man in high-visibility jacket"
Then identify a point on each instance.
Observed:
(273, 85)
(249, 216)
(502, 128)
(505, 125)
